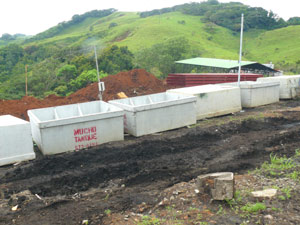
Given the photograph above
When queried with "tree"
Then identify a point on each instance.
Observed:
(44, 77)
(85, 78)
(115, 59)
(162, 56)
(67, 72)
(7, 37)
(294, 21)
(9, 56)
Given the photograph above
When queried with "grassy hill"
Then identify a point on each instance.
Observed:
(138, 33)
(279, 46)
(56, 48)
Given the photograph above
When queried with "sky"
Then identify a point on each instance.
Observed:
(34, 16)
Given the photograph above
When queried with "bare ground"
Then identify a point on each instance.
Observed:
(118, 183)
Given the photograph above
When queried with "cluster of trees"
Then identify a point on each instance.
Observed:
(75, 20)
(54, 71)
(9, 37)
(229, 15)
(294, 21)
(63, 71)
(159, 59)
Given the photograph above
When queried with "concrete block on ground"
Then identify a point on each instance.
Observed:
(219, 186)
(15, 140)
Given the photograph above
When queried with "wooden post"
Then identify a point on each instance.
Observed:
(26, 80)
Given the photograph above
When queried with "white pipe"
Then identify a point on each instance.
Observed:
(241, 49)
(98, 76)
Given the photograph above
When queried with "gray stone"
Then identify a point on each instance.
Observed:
(219, 186)
(268, 193)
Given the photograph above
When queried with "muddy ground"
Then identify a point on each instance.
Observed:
(120, 177)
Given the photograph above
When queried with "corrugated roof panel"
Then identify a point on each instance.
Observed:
(219, 63)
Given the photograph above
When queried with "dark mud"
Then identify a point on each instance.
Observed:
(119, 176)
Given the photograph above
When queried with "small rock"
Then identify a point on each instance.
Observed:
(197, 191)
(268, 193)
(163, 202)
(269, 217)
(85, 222)
(175, 192)
(15, 208)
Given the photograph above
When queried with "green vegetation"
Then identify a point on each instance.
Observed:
(147, 220)
(107, 211)
(60, 74)
(253, 208)
(278, 163)
(228, 15)
(160, 57)
(281, 167)
(61, 59)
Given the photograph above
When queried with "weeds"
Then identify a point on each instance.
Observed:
(147, 220)
(107, 212)
(220, 211)
(253, 208)
(287, 192)
(278, 164)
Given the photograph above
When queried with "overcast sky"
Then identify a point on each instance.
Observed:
(34, 16)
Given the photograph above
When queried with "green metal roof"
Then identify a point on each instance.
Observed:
(219, 63)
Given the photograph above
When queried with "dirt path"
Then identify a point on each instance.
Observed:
(72, 187)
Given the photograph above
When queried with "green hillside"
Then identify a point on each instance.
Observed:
(280, 46)
(138, 33)
(60, 60)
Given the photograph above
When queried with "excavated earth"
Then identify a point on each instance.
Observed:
(118, 177)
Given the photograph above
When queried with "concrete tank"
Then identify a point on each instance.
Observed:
(77, 126)
(289, 85)
(15, 140)
(157, 112)
(213, 100)
(255, 94)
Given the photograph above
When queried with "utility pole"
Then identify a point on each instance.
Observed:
(241, 49)
(26, 93)
(101, 86)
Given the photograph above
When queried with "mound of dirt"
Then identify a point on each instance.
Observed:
(133, 83)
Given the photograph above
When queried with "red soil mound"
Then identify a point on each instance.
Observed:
(133, 83)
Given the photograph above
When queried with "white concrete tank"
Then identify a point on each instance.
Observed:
(77, 126)
(15, 140)
(255, 94)
(289, 85)
(213, 100)
(157, 112)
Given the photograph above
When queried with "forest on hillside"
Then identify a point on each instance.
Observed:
(63, 71)
(229, 15)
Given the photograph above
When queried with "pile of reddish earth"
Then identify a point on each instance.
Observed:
(133, 83)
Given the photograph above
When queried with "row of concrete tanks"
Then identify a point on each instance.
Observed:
(80, 126)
